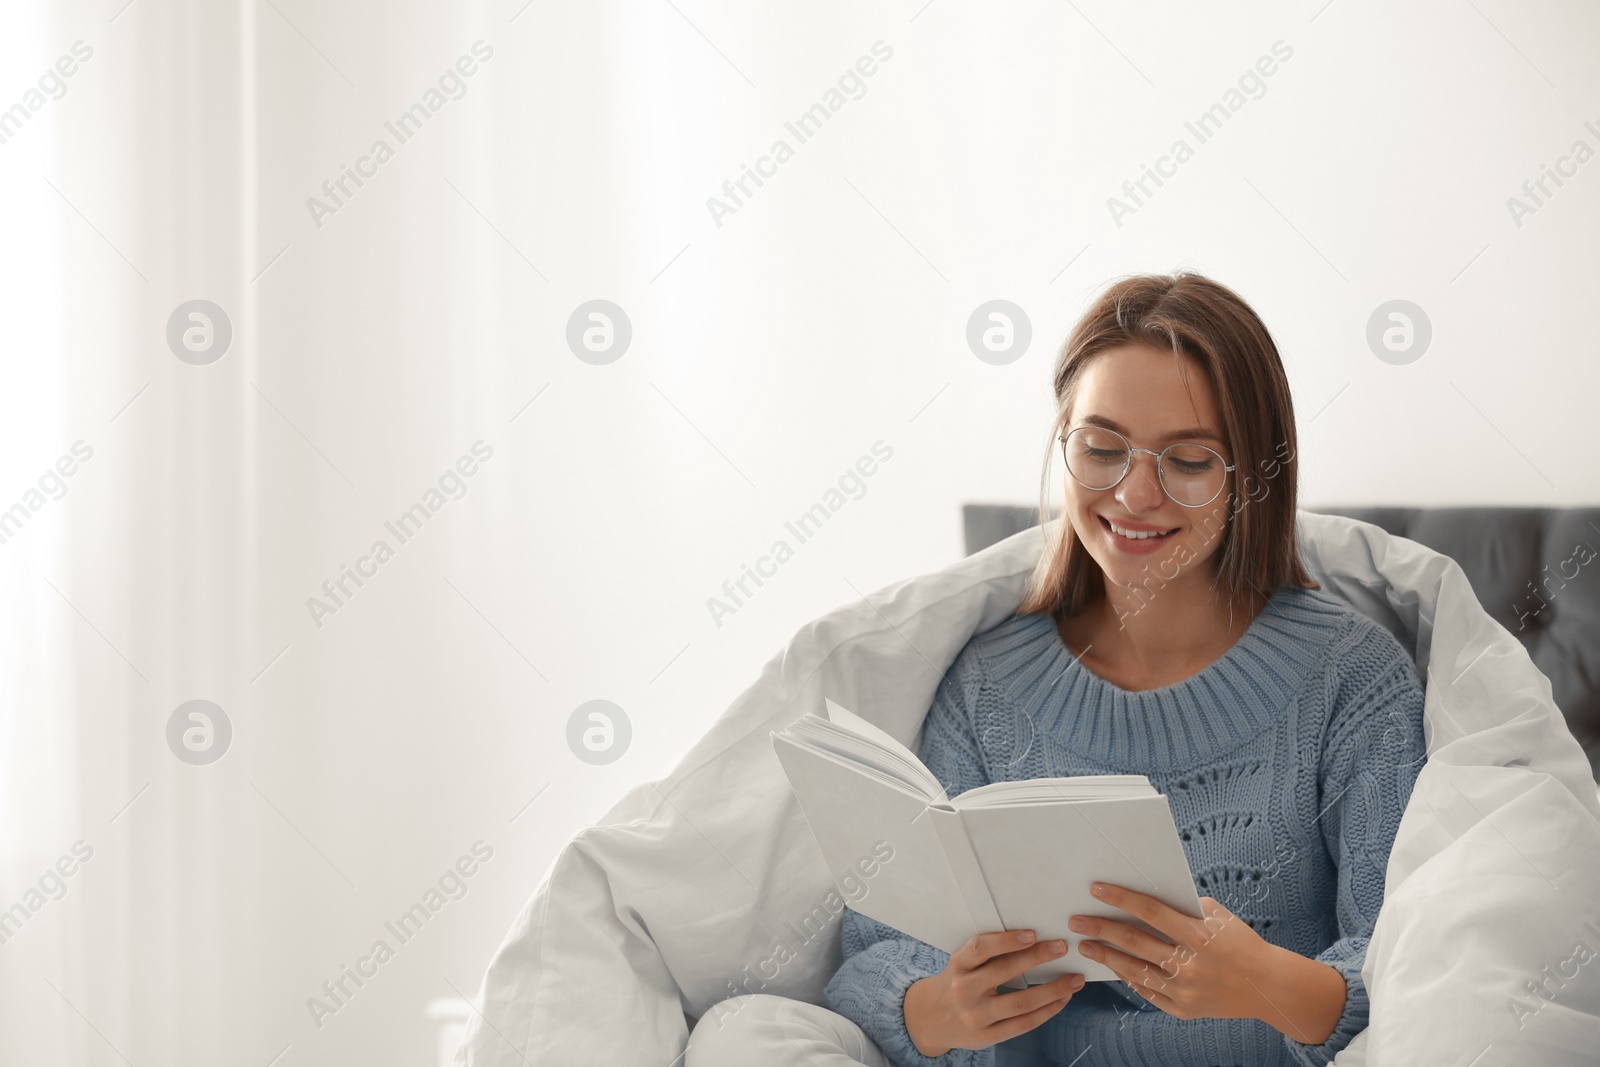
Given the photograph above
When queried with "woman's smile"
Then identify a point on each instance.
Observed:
(1153, 540)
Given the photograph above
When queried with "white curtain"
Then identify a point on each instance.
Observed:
(391, 333)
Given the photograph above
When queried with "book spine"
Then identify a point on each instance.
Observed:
(964, 866)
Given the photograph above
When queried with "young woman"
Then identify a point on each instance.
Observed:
(1170, 630)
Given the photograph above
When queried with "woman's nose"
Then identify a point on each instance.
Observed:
(1141, 489)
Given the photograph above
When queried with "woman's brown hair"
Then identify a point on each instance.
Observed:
(1213, 328)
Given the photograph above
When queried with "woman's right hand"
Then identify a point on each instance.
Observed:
(960, 1008)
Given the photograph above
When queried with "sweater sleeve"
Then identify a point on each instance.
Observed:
(869, 989)
(880, 962)
(1372, 754)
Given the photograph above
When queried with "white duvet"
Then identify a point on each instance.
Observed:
(707, 884)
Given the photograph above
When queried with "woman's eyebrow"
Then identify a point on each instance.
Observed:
(1176, 435)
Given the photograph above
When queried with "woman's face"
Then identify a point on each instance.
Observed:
(1139, 392)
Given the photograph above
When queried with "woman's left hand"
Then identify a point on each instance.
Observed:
(1212, 967)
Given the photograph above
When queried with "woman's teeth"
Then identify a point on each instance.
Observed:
(1135, 535)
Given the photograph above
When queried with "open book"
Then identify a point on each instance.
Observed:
(1004, 856)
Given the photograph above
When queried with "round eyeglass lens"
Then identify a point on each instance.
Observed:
(1192, 474)
(1095, 457)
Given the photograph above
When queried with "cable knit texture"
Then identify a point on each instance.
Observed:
(1287, 762)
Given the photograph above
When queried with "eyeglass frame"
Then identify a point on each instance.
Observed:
(1127, 464)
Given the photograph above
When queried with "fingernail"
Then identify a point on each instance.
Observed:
(1026, 937)
(1077, 982)
(1057, 948)
(1098, 889)
(1077, 926)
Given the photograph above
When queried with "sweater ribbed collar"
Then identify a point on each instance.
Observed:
(1230, 701)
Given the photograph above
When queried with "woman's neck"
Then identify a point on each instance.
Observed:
(1154, 638)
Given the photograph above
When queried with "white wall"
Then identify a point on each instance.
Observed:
(768, 354)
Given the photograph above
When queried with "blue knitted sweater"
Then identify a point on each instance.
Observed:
(1287, 762)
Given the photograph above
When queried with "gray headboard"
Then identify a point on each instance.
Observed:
(1507, 554)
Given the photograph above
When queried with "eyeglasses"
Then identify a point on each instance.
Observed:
(1192, 475)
